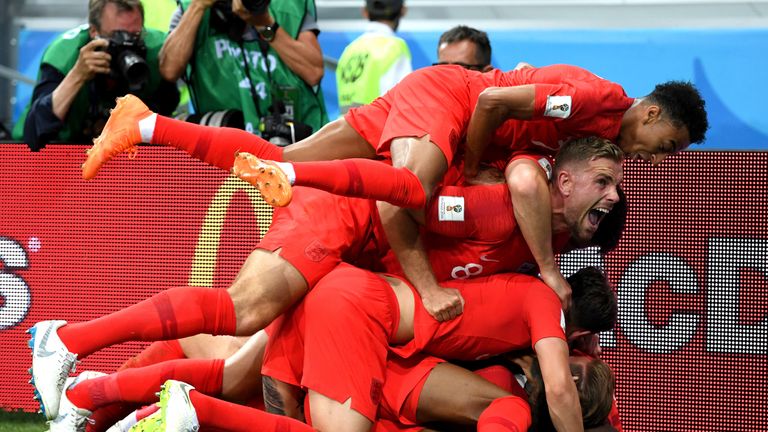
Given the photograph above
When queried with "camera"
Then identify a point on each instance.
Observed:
(221, 10)
(281, 130)
(128, 53)
(256, 7)
(225, 118)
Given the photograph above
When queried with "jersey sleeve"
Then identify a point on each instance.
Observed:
(544, 313)
(575, 104)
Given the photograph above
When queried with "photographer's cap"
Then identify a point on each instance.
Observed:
(385, 8)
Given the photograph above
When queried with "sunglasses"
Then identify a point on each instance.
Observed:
(474, 67)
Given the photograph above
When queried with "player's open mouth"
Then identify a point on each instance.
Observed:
(597, 214)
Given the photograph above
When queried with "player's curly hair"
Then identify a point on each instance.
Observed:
(683, 105)
(593, 303)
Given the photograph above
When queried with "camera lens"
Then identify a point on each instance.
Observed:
(256, 7)
(134, 69)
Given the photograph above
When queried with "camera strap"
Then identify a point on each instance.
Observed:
(254, 94)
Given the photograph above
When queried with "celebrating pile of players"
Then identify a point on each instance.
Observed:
(408, 280)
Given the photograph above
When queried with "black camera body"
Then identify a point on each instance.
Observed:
(129, 53)
(278, 129)
(256, 7)
(225, 21)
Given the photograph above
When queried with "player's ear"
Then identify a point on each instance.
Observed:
(577, 334)
(565, 183)
(651, 114)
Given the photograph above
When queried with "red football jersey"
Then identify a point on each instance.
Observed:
(570, 102)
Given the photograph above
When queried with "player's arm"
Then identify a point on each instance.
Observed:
(403, 234)
(494, 106)
(562, 397)
(529, 188)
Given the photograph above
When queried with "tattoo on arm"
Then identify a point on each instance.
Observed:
(273, 400)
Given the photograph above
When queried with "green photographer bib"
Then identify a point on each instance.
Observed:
(218, 77)
(62, 55)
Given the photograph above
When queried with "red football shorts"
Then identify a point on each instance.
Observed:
(434, 101)
(344, 357)
(319, 230)
(405, 380)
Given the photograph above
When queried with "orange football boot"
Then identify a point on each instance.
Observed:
(266, 176)
(120, 134)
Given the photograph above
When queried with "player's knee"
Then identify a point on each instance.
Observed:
(477, 404)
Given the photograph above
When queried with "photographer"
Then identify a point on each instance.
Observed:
(86, 68)
(223, 48)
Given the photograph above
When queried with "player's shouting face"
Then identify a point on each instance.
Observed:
(589, 190)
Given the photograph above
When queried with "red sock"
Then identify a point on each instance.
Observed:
(157, 352)
(139, 385)
(104, 417)
(507, 414)
(502, 377)
(171, 314)
(363, 178)
(487, 212)
(214, 145)
(218, 414)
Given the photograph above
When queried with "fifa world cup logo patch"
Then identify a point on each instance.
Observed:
(450, 208)
(558, 106)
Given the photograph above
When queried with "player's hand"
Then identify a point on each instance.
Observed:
(487, 176)
(523, 65)
(205, 3)
(260, 20)
(555, 280)
(444, 304)
(93, 59)
(589, 344)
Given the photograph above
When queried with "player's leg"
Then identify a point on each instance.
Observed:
(182, 408)
(160, 351)
(266, 286)
(235, 378)
(424, 389)
(331, 415)
(418, 166)
(131, 123)
(241, 379)
(293, 255)
(140, 385)
(419, 125)
(350, 317)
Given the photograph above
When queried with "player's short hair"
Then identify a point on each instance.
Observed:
(96, 8)
(593, 303)
(682, 103)
(612, 225)
(478, 37)
(586, 149)
(595, 383)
